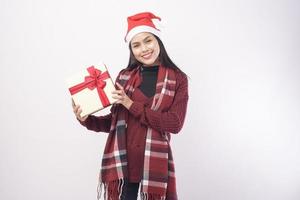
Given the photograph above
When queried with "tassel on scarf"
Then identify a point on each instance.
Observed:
(147, 196)
(112, 190)
(99, 190)
(99, 187)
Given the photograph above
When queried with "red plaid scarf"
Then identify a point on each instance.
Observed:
(158, 180)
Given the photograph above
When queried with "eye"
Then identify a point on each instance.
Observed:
(135, 46)
(148, 41)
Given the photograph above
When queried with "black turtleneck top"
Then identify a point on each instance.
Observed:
(149, 79)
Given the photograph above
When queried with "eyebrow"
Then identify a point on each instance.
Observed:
(147, 37)
(143, 40)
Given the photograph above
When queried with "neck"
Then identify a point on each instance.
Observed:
(150, 68)
(156, 63)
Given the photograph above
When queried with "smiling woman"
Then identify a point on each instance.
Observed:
(151, 104)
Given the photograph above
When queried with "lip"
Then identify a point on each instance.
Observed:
(147, 55)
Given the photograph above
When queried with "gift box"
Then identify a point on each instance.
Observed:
(91, 89)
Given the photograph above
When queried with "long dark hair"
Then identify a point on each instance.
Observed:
(164, 58)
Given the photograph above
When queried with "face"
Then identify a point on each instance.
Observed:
(145, 48)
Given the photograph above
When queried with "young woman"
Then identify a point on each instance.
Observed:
(152, 99)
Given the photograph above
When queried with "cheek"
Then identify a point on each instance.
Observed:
(152, 45)
(157, 49)
(135, 52)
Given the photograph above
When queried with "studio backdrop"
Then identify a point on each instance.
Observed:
(240, 140)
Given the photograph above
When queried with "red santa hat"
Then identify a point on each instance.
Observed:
(141, 22)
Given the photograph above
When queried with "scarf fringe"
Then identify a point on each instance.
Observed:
(149, 196)
(99, 191)
(112, 190)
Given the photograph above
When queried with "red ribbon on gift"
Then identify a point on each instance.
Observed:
(94, 80)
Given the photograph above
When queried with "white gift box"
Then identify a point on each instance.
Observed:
(91, 89)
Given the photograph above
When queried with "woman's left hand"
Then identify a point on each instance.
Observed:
(122, 97)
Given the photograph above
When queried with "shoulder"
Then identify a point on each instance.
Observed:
(181, 78)
(126, 71)
(181, 87)
(122, 73)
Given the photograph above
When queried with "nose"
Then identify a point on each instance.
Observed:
(144, 48)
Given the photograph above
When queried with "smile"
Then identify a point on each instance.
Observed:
(147, 56)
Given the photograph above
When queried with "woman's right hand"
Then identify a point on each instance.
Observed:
(77, 110)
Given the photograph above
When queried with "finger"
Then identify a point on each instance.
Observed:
(118, 97)
(73, 103)
(85, 117)
(118, 102)
(117, 92)
(81, 118)
(119, 86)
(75, 109)
(77, 113)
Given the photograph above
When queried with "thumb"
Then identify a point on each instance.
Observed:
(119, 86)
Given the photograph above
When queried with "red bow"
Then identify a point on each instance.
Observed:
(94, 80)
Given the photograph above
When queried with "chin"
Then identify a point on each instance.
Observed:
(149, 63)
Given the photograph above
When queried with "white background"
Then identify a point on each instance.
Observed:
(241, 137)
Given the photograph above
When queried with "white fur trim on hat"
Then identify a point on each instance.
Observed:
(140, 29)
